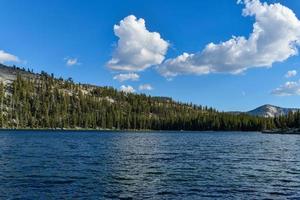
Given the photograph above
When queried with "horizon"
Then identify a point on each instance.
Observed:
(141, 49)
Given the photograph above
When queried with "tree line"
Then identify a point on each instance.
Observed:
(48, 102)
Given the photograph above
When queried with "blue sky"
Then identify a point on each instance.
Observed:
(45, 36)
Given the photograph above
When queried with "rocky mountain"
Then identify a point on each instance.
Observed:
(271, 111)
(40, 100)
(9, 74)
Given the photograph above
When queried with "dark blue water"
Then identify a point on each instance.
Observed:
(157, 165)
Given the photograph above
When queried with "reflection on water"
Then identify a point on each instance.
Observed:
(157, 165)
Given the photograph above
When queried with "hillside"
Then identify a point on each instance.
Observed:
(9, 74)
(31, 100)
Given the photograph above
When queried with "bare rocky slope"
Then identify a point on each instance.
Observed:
(271, 111)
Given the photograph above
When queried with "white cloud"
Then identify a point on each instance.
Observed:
(291, 73)
(72, 61)
(288, 89)
(275, 38)
(137, 48)
(125, 77)
(6, 57)
(127, 89)
(145, 87)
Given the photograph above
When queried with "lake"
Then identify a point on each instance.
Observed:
(154, 165)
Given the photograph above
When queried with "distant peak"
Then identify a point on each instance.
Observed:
(269, 110)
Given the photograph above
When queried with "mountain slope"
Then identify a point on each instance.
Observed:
(9, 74)
(271, 111)
(29, 100)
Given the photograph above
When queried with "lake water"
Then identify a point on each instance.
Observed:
(156, 165)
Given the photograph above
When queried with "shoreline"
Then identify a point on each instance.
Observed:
(112, 130)
(281, 132)
(268, 132)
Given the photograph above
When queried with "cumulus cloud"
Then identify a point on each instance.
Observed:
(6, 57)
(275, 38)
(126, 77)
(145, 87)
(288, 89)
(137, 48)
(127, 89)
(291, 73)
(72, 61)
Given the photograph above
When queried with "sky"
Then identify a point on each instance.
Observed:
(228, 54)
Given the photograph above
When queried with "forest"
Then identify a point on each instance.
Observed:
(54, 103)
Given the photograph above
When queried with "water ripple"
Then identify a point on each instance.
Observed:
(162, 165)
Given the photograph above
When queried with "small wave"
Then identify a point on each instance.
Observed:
(163, 193)
(57, 182)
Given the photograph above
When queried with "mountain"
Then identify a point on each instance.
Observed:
(271, 111)
(40, 100)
